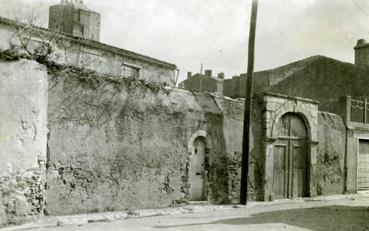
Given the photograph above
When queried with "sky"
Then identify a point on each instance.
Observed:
(215, 32)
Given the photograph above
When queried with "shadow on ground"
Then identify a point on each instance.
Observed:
(316, 219)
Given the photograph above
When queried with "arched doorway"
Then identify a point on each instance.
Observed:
(197, 170)
(290, 158)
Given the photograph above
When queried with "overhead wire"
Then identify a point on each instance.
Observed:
(359, 7)
(365, 3)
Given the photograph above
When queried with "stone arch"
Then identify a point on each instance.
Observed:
(200, 133)
(198, 188)
(294, 107)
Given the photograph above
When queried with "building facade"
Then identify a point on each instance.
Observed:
(204, 82)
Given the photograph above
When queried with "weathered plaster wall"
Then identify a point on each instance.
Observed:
(23, 103)
(351, 161)
(122, 144)
(331, 154)
(116, 144)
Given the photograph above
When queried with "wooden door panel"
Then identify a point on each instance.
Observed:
(297, 127)
(197, 171)
(299, 169)
(279, 171)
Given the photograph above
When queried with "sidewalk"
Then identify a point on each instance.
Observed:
(53, 221)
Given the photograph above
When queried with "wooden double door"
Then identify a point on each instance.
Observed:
(290, 158)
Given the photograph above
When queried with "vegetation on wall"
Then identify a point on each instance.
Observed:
(93, 80)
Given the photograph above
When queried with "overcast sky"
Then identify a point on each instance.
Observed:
(215, 32)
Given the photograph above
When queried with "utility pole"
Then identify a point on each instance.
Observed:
(201, 77)
(247, 112)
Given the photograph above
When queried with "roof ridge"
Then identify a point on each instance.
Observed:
(309, 59)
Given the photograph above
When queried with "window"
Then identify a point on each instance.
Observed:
(364, 146)
(130, 71)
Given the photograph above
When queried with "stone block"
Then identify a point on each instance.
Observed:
(21, 206)
(3, 219)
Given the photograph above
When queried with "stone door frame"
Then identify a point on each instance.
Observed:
(275, 106)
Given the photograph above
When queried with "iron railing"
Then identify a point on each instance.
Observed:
(359, 111)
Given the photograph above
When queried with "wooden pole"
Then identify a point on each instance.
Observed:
(201, 77)
(247, 111)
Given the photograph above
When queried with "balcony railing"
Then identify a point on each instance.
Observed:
(357, 110)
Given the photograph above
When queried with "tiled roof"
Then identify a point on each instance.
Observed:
(98, 45)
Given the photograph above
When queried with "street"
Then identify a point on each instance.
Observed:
(350, 213)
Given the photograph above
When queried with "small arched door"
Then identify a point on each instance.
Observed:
(197, 170)
(290, 158)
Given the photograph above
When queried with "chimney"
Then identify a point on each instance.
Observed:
(220, 75)
(362, 53)
(208, 73)
(189, 74)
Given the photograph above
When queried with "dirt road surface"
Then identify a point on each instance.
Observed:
(350, 213)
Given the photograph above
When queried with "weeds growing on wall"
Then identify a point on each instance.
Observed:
(91, 79)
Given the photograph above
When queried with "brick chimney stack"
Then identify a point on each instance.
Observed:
(208, 73)
(220, 75)
(189, 75)
(362, 53)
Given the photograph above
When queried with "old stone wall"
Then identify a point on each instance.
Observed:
(118, 144)
(23, 103)
(331, 154)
